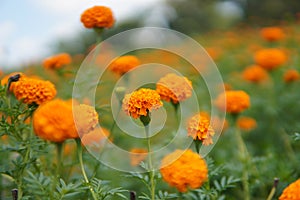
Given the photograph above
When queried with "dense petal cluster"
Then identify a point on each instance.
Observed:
(174, 88)
(141, 102)
(255, 74)
(124, 64)
(272, 34)
(31, 90)
(57, 61)
(291, 76)
(53, 121)
(85, 117)
(95, 136)
(97, 17)
(137, 155)
(184, 170)
(199, 128)
(291, 192)
(270, 58)
(234, 101)
(246, 123)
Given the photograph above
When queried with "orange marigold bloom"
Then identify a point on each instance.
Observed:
(291, 192)
(246, 123)
(272, 34)
(291, 76)
(184, 169)
(86, 118)
(199, 128)
(141, 102)
(255, 74)
(31, 90)
(124, 64)
(234, 101)
(270, 58)
(4, 80)
(57, 61)
(137, 155)
(174, 88)
(95, 136)
(54, 121)
(97, 17)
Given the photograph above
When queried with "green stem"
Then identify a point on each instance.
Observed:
(79, 152)
(151, 170)
(59, 147)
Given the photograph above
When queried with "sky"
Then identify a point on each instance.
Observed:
(29, 28)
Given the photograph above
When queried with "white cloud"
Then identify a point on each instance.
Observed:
(7, 28)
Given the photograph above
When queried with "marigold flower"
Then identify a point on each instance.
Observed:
(199, 128)
(97, 17)
(174, 88)
(291, 192)
(255, 74)
(270, 58)
(54, 121)
(57, 61)
(95, 136)
(31, 90)
(272, 34)
(86, 118)
(137, 155)
(233, 101)
(124, 64)
(141, 102)
(4, 80)
(246, 123)
(291, 76)
(184, 169)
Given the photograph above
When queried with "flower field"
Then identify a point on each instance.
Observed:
(101, 126)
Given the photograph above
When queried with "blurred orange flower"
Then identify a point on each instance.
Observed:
(85, 118)
(184, 169)
(95, 136)
(233, 101)
(54, 121)
(246, 123)
(137, 155)
(291, 192)
(270, 58)
(199, 128)
(141, 102)
(255, 74)
(124, 64)
(31, 90)
(57, 61)
(97, 17)
(291, 76)
(272, 34)
(174, 88)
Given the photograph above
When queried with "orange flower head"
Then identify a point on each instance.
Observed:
(234, 101)
(255, 74)
(141, 102)
(291, 192)
(272, 34)
(174, 88)
(124, 64)
(184, 169)
(57, 61)
(4, 80)
(199, 128)
(97, 17)
(54, 121)
(137, 155)
(270, 58)
(95, 136)
(86, 118)
(291, 76)
(246, 123)
(31, 90)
